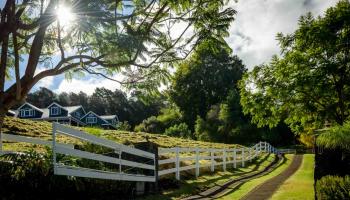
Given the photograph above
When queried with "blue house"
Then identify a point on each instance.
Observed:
(72, 115)
(106, 121)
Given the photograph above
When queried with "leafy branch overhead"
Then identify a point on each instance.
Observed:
(138, 39)
(309, 85)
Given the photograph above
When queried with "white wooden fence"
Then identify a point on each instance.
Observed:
(62, 169)
(211, 158)
(174, 157)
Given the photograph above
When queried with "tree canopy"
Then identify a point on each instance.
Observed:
(205, 79)
(309, 84)
(138, 39)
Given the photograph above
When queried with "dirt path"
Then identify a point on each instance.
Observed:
(219, 190)
(266, 189)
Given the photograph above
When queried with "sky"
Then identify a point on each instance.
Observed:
(252, 37)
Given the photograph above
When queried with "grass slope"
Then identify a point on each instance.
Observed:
(42, 129)
(248, 186)
(300, 184)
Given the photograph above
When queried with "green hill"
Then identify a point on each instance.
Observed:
(42, 129)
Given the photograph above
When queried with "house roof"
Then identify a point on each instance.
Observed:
(31, 105)
(90, 112)
(71, 109)
(54, 103)
(106, 117)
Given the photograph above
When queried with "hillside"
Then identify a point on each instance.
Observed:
(43, 130)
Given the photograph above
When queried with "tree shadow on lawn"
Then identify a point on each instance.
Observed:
(235, 187)
(192, 188)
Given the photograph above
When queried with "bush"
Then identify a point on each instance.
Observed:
(333, 187)
(150, 125)
(179, 130)
(337, 137)
(124, 126)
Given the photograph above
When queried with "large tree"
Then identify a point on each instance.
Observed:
(309, 84)
(205, 79)
(136, 38)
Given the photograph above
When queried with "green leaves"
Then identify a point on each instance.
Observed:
(205, 79)
(310, 83)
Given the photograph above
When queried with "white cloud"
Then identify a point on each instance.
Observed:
(258, 21)
(87, 86)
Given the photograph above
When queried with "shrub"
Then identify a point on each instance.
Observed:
(179, 130)
(333, 187)
(336, 137)
(150, 125)
(124, 126)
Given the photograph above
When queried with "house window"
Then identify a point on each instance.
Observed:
(77, 114)
(55, 110)
(91, 120)
(27, 113)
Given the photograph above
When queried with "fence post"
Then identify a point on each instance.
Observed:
(224, 160)
(234, 158)
(54, 145)
(260, 148)
(250, 154)
(242, 155)
(177, 164)
(212, 160)
(265, 148)
(197, 162)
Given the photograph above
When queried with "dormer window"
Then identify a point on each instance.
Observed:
(27, 113)
(55, 111)
(91, 120)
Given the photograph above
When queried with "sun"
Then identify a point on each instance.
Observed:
(65, 16)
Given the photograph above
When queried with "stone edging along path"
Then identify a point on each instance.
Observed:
(266, 189)
(220, 190)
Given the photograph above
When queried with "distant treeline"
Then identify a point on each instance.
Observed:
(103, 102)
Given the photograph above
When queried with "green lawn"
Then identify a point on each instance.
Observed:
(300, 184)
(248, 186)
(195, 186)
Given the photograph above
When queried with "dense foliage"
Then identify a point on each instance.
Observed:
(169, 116)
(337, 137)
(333, 188)
(205, 79)
(309, 84)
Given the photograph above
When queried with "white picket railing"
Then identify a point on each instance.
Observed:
(62, 169)
(226, 157)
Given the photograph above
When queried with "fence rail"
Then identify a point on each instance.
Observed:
(31, 140)
(62, 169)
(213, 157)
